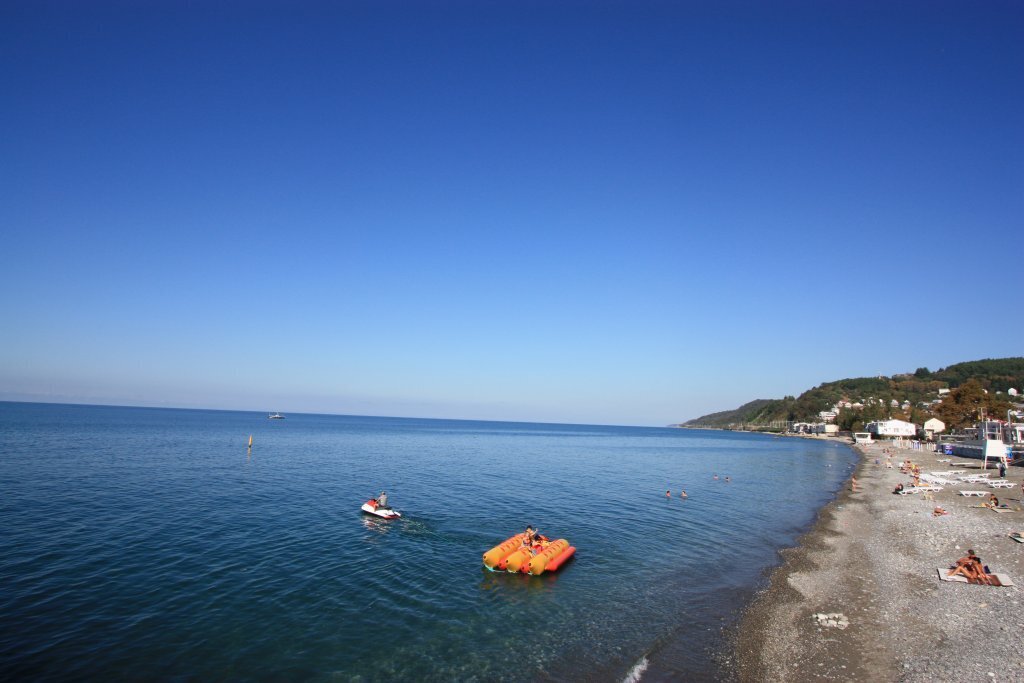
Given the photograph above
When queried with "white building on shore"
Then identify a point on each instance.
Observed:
(932, 427)
(892, 428)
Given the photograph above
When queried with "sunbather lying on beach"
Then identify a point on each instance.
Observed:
(939, 511)
(971, 568)
(899, 488)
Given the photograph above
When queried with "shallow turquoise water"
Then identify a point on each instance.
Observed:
(146, 543)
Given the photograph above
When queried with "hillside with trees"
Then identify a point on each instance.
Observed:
(956, 395)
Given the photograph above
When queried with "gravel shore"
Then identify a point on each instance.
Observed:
(860, 598)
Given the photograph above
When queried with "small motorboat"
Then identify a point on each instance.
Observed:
(372, 508)
(275, 416)
(543, 556)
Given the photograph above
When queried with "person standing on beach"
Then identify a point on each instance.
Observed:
(1002, 470)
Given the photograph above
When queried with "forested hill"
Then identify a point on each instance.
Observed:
(748, 412)
(918, 389)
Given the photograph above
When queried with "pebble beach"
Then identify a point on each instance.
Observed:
(860, 599)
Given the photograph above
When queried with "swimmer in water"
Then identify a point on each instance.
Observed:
(668, 494)
(715, 477)
(682, 493)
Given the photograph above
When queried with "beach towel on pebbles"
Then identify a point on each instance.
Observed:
(1004, 580)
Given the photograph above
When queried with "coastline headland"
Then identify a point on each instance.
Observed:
(860, 599)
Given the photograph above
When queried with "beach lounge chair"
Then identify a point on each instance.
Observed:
(955, 471)
(1017, 536)
(1003, 579)
(1002, 509)
(919, 489)
(1001, 484)
(979, 494)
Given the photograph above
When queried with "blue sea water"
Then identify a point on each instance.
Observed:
(149, 543)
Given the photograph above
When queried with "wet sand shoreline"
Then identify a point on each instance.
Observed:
(859, 599)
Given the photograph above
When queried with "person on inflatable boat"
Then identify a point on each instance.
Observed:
(531, 539)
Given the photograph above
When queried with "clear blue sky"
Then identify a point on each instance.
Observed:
(600, 212)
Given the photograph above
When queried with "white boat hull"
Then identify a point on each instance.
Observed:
(386, 513)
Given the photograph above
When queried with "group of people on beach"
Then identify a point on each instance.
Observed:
(993, 502)
(914, 470)
(971, 568)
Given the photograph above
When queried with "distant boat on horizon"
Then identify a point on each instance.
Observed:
(275, 416)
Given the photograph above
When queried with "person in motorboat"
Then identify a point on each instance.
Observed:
(379, 506)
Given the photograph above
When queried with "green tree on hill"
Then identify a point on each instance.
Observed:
(992, 374)
(853, 420)
(849, 420)
(918, 416)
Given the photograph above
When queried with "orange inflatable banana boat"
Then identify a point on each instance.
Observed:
(511, 555)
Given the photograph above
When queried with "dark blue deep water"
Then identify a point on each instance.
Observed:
(140, 543)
